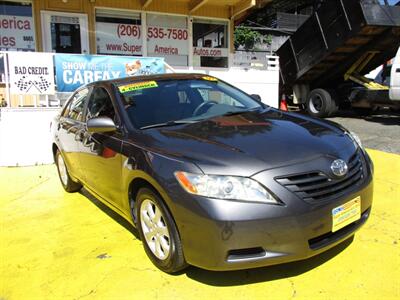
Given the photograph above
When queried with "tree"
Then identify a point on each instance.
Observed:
(248, 38)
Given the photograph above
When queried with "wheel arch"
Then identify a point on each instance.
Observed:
(146, 181)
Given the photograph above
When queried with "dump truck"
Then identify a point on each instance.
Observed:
(322, 64)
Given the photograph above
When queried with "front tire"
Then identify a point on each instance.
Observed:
(68, 184)
(158, 232)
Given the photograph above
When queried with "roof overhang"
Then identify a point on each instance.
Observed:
(230, 9)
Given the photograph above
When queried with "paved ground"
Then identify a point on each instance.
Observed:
(380, 130)
(55, 245)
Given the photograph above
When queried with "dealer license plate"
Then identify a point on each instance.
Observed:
(345, 214)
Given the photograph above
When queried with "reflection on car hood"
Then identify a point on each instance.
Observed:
(247, 143)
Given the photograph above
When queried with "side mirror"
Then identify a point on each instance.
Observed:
(256, 97)
(101, 125)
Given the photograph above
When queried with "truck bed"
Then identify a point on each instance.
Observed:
(321, 51)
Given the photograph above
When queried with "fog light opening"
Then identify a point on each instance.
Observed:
(246, 254)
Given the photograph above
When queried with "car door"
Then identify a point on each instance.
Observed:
(70, 129)
(100, 153)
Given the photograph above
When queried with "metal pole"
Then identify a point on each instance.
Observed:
(322, 30)
(169, 67)
(7, 78)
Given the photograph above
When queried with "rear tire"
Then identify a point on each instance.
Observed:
(68, 184)
(158, 232)
(320, 103)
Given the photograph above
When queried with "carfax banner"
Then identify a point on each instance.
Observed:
(73, 70)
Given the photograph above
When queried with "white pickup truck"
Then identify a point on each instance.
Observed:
(394, 89)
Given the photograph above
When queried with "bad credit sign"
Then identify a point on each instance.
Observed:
(31, 73)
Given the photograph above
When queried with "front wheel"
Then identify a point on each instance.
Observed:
(66, 181)
(158, 232)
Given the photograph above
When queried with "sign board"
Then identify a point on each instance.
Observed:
(75, 70)
(211, 52)
(118, 38)
(31, 73)
(167, 41)
(17, 33)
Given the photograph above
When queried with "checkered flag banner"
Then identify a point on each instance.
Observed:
(31, 73)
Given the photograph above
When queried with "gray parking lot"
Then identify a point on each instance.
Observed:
(380, 130)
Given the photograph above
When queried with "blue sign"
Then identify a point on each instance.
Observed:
(74, 70)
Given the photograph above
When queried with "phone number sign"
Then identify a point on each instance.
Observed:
(167, 41)
(118, 38)
(167, 33)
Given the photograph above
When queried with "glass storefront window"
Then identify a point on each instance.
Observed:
(65, 34)
(210, 43)
(17, 31)
(118, 32)
(167, 36)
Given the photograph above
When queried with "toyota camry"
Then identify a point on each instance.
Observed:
(209, 175)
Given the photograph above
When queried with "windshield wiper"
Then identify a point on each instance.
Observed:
(169, 123)
(238, 112)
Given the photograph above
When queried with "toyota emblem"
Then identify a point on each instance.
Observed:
(339, 167)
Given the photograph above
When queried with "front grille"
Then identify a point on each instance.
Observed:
(314, 187)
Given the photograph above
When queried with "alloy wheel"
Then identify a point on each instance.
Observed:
(155, 229)
(62, 169)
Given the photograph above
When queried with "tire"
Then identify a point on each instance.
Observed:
(320, 103)
(335, 103)
(68, 184)
(160, 237)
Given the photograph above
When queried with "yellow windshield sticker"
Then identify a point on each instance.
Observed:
(209, 78)
(137, 86)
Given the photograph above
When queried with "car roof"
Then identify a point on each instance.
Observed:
(167, 76)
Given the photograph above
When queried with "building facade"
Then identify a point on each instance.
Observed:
(195, 33)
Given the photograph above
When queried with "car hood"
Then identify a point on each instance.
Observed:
(250, 142)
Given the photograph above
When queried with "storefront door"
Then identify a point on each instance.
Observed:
(65, 32)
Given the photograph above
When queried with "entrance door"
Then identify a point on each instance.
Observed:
(65, 32)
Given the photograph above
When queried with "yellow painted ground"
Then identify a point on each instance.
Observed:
(56, 245)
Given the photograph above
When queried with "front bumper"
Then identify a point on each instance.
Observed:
(232, 235)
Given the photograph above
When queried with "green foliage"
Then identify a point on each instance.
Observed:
(247, 38)
(268, 39)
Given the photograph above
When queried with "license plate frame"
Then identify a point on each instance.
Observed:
(346, 214)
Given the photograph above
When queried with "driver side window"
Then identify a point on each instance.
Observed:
(100, 105)
(74, 109)
(218, 97)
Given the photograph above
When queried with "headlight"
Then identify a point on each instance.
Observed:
(355, 138)
(224, 187)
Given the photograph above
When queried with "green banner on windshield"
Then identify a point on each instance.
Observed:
(137, 86)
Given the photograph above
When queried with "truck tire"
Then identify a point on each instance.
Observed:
(320, 103)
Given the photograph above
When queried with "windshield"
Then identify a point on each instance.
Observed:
(178, 101)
